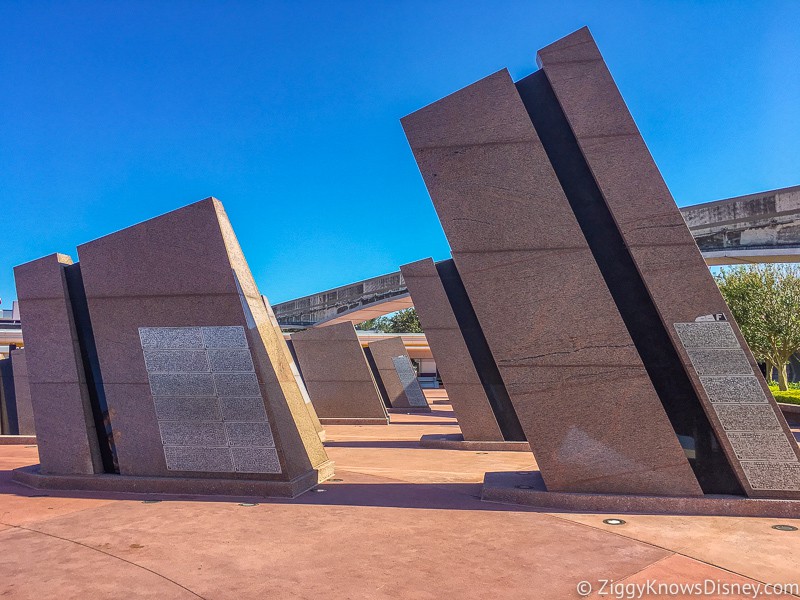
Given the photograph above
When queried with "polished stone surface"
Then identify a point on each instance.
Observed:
(64, 424)
(666, 257)
(394, 369)
(336, 374)
(22, 393)
(554, 331)
(178, 320)
(453, 361)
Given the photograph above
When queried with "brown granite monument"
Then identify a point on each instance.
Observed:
(625, 367)
(22, 394)
(154, 367)
(395, 376)
(474, 387)
(337, 376)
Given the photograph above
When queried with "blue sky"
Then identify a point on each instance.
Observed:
(114, 112)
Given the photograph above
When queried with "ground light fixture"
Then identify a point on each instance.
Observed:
(614, 521)
(785, 527)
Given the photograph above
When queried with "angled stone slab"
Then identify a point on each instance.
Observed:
(22, 392)
(710, 364)
(465, 388)
(8, 400)
(395, 375)
(189, 372)
(337, 376)
(544, 308)
(177, 319)
(295, 371)
(65, 425)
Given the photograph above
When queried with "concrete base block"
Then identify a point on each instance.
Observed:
(409, 410)
(32, 477)
(17, 440)
(348, 421)
(528, 489)
(791, 412)
(456, 441)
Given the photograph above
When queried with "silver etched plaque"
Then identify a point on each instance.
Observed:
(772, 475)
(224, 337)
(402, 364)
(171, 337)
(717, 334)
(182, 384)
(230, 360)
(243, 409)
(176, 361)
(766, 454)
(761, 445)
(187, 409)
(207, 399)
(737, 389)
(747, 417)
(256, 460)
(719, 361)
(184, 458)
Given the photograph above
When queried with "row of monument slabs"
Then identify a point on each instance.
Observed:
(576, 319)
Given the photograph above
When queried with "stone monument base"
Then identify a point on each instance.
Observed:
(31, 477)
(17, 440)
(528, 489)
(354, 421)
(456, 441)
(409, 409)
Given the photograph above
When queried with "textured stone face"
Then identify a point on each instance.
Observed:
(191, 402)
(403, 390)
(337, 375)
(465, 389)
(65, 431)
(543, 306)
(22, 392)
(676, 282)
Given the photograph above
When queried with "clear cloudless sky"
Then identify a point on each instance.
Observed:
(115, 112)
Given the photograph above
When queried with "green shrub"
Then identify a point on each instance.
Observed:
(790, 396)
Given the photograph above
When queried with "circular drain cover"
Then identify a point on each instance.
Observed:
(785, 527)
(613, 521)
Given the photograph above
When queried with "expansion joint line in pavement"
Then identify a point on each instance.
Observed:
(58, 537)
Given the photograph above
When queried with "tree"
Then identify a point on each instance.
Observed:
(403, 321)
(765, 301)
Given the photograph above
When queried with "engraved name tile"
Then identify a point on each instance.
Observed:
(180, 433)
(236, 384)
(719, 362)
(224, 337)
(176, 361)
(182, 384)
(216, 460)
(250, 434)
(733, 389)
(402, 364)
(772, 476)
(256, 460)
(717, 334)
(747, 417)
(170, 337)
(230, 360)
(187, 409)
(761, 445)
(243, 409)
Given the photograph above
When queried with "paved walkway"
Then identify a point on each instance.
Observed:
(403, 523)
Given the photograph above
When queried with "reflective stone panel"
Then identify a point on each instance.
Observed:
(208, 402)
(408, 377)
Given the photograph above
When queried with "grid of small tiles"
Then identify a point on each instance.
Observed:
(758, 440)
(208, 403)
